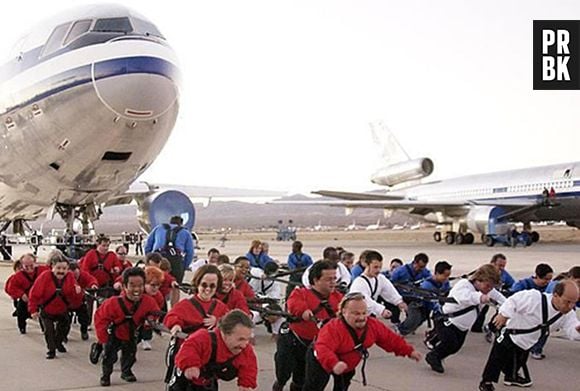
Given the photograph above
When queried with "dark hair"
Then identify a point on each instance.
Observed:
(270, 268)
(223, 259)
(72, 266)
(361, 258)
(543, 269)
(213, 250)
(317, 269)
(177, 220)
(56, 256)
(496, 257)
(396, 260)
(207, 269)
(330, 253)
(133, 272)
(228, 323)
(442, 266)
(103, 238)
(421, 257)
(373, 255)
(297, 245)
(154, 257)
(241, 259)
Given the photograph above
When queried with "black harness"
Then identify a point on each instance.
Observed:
(544, 327)
(30, 279)
(129, 313)
(224, 371)
(373, 289)
(323, 305)
(100, 262)
(57, 292)
(197, 305)
(359, 347)
(170, 237)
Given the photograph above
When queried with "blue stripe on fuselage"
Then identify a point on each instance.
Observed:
(82, 75)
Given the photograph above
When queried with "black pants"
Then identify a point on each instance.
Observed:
(416, 315)
(290, 358)
(506, 357)
(128, 351)
(177, 269)
(56, 328)
(317, 378)
(450, 337)
(395, 311)
(22, 314)
(478, 325)
(83, 318)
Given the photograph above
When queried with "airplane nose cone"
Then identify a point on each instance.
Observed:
(136, 88)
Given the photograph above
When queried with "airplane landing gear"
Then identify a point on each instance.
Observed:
(437, 236)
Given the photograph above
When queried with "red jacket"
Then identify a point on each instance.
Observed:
(243, 286)
(188, 317)
(334, 343)
(110, 312)
(44, 289)
(101, 266)
(21, 281)
(196, 352)
(168, 280)
(234, 299)
(159, 298)
(302, 299)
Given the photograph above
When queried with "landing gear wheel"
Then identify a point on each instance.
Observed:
(535, 237)
(437, 236)
(469, 238)
(483, 238)
(489, 241)
(459, 239)
(450, 238)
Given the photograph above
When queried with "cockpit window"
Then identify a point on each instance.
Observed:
(113, 25)
(55, 40)
(145, 28)
(80, 27)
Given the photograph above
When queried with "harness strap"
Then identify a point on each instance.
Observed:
(373, 290)
(128, 315)
(359, 346)
(544, 327)
(57, 292)
(197, 305)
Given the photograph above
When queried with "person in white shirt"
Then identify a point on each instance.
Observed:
(265, 287)
(342, 273)
(374, 285)
(457, 318)
(212, 259)
(528, 315)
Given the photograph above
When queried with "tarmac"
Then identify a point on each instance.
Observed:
(25, 368)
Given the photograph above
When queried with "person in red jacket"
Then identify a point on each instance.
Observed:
(50, 298)
(18, 288)
(103, 264)
(153, 280)
(202, 310)
(229, 295)
(169, 282)
(313, 306)
(343, 342)
(242, 266)
(117, 322)
(79, 307)
(121, 252)
(225, 353)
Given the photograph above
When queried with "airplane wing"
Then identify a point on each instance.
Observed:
(346, 195)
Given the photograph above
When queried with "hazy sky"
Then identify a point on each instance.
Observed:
(279, 94)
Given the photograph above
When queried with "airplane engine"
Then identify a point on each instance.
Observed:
(484, 219)
(402, 172)
(159, 207)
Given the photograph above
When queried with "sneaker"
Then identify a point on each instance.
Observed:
(537, 356)
(483, 386)
(61, 348)
(519, 381)
(146, 345)
(22, 331)
(128, 377)
(105, 381)
(84, 335)
(50, 355)
(434, 362)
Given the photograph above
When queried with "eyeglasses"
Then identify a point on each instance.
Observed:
(205, 285)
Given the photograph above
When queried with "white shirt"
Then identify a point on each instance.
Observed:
(524, 310)
(272, 289)
(384, 289)
(197, 264)
(342, 275)
(466, 295)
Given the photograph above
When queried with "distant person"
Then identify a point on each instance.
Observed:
(174, 242)
(347, 259)
(411, 274)
(343, 277)
(298, 261)
(122, 252)
(256, 256)
(212, 259)
(242, 268)
(524, 316)
(393, 265)
(359, 266)
(139, 236)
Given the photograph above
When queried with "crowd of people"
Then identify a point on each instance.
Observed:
(322, 315)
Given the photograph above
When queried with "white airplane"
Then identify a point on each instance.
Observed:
(87, 101)
(352, 227)
(374, 227)
(488, 204)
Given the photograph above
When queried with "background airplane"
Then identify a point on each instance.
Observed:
(486, 204)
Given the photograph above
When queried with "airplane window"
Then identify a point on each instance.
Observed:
(78, 28)
(113, 25)
(55, 40)
(146, 28)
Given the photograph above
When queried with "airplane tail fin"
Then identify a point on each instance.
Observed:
(388, 146)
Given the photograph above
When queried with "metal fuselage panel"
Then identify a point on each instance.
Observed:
(81, 127)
